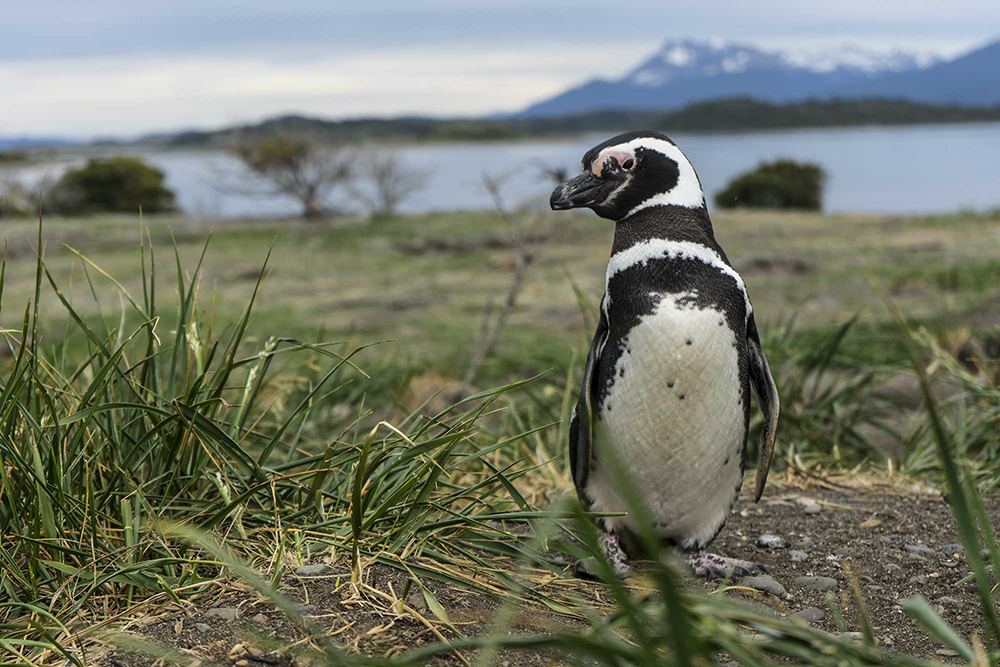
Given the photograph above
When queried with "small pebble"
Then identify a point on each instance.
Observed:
(952, 549)
(313, 570)
(770, 542)
(203, 627)
(222, 613)
(259, 618)
(919, 549)
(816, 583)
(763, 583)
(797, 556)
(947, 601)
(811, 507)
(804, 544)
(920, 579)
(810, 614)
(947, 653)
(892, 567)
(843, 552)
(304, 608)
(874, 588)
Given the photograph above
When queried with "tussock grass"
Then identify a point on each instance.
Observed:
(160, 461)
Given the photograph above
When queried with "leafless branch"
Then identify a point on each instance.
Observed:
(493, 326)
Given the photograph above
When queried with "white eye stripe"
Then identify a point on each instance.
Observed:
(686, 193)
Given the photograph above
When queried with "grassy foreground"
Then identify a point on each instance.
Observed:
(189, 421)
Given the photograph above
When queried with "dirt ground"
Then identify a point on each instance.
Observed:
(900, 541)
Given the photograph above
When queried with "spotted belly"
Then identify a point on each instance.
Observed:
(672, 412)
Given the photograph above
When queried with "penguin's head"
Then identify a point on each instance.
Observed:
(629, 173)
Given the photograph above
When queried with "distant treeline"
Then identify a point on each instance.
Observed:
(736, 114)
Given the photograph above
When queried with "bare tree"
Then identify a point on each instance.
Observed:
(293, 166)
(388, 182)
(15, 198)
(494, 320)
(554, 173)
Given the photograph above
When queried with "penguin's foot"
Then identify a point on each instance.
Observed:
(586, 568)
(711, 566)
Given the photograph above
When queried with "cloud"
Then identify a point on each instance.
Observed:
(120, 67)
(123, 96)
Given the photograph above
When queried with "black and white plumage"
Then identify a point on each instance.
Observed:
(667, 381)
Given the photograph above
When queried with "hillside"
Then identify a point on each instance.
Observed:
(737, 114)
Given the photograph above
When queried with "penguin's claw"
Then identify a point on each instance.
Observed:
(611, 548)
(712, 566)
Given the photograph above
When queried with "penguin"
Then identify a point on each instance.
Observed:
(666, 386)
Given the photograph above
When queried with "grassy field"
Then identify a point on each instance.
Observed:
(424, 281)
(164, 443)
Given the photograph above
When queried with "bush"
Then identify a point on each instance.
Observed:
(116, 184)
(778, 184)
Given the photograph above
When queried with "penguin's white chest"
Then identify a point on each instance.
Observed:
(674, 418)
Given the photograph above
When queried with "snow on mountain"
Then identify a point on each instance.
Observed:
(687, 70)
(688, 59)
(853, 57)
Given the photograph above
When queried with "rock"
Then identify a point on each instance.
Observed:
(804, 544)
(797, 556)
(946, 653)
(810, 614)
(920, 579)
(865, 578)
(892, 568)
(811, 507)
(952, 549)
(947, 601)
(843, 552)
(259, 618)
(203, 627)
(919, 549)
(416, 600)
(874, 588)
(763, 583)
(816, 583)
(223, 613)
(314, 570)
(916, 558)
(770, 542)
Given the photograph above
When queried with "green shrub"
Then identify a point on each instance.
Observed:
(116, 184)
(778, 184)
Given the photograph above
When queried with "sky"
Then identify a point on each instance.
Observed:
(125, 67)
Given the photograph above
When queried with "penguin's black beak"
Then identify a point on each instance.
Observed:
(583, 190)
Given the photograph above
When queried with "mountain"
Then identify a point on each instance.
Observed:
(11, 143)
(686, 71)
(971, 79)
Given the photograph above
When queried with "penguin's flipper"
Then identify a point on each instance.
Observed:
(581, 427)
(767, 398)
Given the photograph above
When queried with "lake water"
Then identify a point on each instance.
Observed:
(917, 169)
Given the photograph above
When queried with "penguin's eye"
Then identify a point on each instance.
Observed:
(628, 164)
